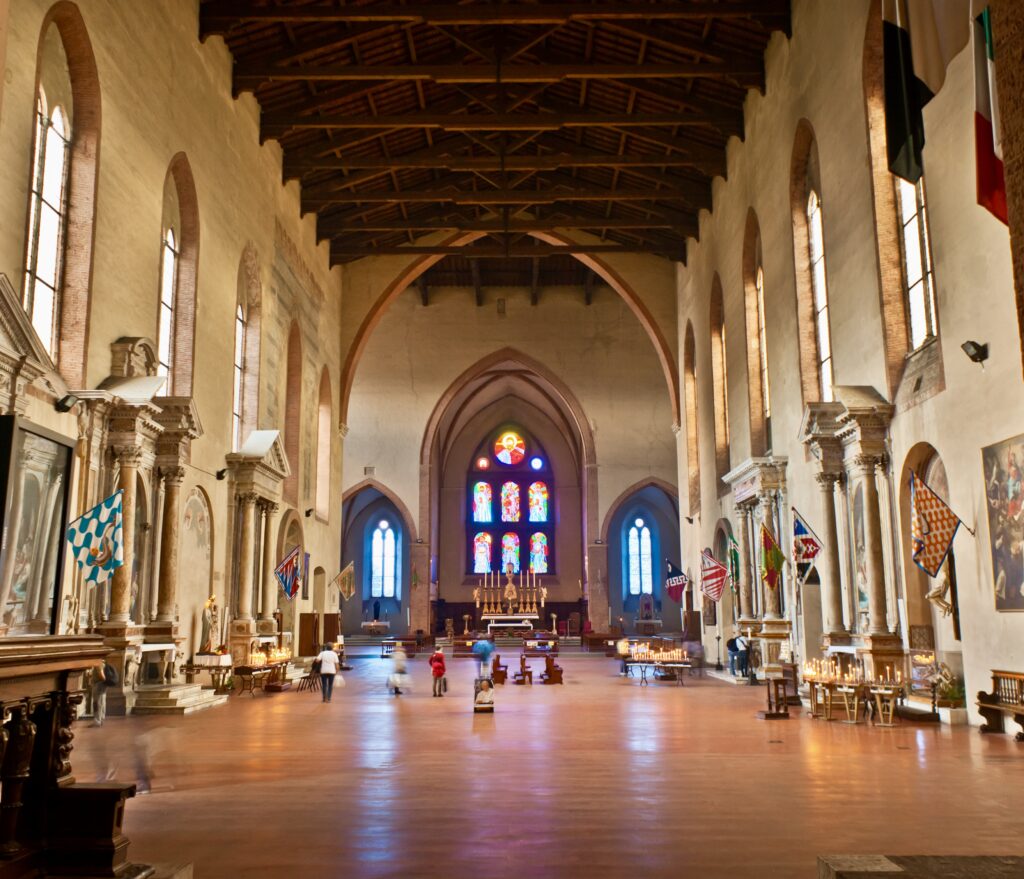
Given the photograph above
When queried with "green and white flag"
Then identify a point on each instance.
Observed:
(988, 140)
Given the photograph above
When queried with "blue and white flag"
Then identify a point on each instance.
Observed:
(96, 540)
(288, 573)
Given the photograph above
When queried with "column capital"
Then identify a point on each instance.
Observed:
(172, 475)
(269, 507)
(866, 464)
(127, 456)
(247, 498)
(828, 480)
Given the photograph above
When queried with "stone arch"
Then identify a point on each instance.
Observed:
(293, 411)
(80, 233)
(627, 495)
(418, 266)
(719, 376)
(179, 176)
(250, 297)
(381, 488)
(324, 431)
(692, 427)
(760, 434)
(291, 524)
(803, 173)
(196, 554)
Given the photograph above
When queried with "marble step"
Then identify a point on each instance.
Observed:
(176, 699)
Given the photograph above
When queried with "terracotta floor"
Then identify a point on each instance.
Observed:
(598, 778)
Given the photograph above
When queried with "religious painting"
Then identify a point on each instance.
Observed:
(510, 502)
(510, 448)
(482, 553)
(1004, 501)
(539, 553)
(860, 556)
(709, 611)
(195, 559)
(482, 502)
(538, 492)
(510, 552)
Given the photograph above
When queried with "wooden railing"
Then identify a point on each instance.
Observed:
(1006, 699)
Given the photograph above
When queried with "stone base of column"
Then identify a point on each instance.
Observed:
(266, 627)
(882, 655)
(240, 635)
(772, 635)
(123, 639)
(836, 639)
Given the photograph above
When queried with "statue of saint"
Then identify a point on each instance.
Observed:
(209, 625)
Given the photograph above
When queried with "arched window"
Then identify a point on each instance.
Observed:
(762, 344)
(719, 379)
(237, 377)
(323, 448)
(168, 289)
(692, 429)
(385, 566)
(758, 391)
(512, 468)
(819, 287)
(639, 558)
(292, 411)
(917, 261)
(47, 220)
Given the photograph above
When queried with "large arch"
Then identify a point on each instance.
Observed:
(627, 494)
(293, 411)
(179, 174)
(417, 267)
(692, 425)
(760, 434)
(400, 505)
(719, 378)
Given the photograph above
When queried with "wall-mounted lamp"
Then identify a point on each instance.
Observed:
(66, 403)
(689, 520)
(976, 351)
(309, 512)
(220, 474)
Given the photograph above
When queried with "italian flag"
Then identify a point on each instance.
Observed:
(987, 132)
(919, 39)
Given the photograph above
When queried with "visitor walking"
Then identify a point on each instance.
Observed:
(483, 650)
(730, 645)
(399, 661)
(104, 676)
(437, 669)
(328, 660)
(742, 653)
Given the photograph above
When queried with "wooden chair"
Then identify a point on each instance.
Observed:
(499, 672)
(574, 624)
(552, 673)
(525, 673)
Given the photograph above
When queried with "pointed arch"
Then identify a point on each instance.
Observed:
(185, 211)
(351, 493)
(692, 427)
(293, 411)
(324, 432)
(250, 301)
(719, 377)
(758, 384)
(82, 179)
(626, 496)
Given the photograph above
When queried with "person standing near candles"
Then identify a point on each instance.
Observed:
(742, 652)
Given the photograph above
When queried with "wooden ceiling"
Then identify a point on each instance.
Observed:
(401, 120)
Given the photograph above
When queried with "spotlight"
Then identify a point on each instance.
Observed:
(309, 512)
(66, 403)
(220, 474)
(976, 351)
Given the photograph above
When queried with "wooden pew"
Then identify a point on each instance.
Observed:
(499, 672)
(525, 673)
(1005, 700)
(552, 673)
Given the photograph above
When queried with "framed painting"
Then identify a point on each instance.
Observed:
(1004, 503)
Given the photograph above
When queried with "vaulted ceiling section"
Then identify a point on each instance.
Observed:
(402, 120)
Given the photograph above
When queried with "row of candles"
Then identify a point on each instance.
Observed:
(492, 580)
(644, 653)
(828, 671)
(260, 658)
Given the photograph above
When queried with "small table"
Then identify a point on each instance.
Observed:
(853, 697)
(886, 699)
(519, 624)
(675, 669)
(376, 627)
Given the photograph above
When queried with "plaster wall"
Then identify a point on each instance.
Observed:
(162, 92)
(818, 75)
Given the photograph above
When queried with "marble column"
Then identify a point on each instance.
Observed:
(864, 474)
(267, 606)
(167, 597)
(14, 515)
(247, 545)
(128, 460)
(745, 588)
(828, 564)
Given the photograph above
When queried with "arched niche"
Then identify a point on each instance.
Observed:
(195, 565)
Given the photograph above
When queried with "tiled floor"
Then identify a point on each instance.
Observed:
(598, 778)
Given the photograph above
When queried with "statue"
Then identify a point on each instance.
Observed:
(510, 587)
(937, 595)
(209, 625)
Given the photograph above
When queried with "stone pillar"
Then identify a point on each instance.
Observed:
(745, 586)
(864, 473)
(247, 545)
(828, 566)
(419, 587)
(128, 460)
(267, 625)
(598, 599)
(167, 597)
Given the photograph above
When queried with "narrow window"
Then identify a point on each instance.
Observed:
(766, 394)
(168, 282)
(384, 562)
(47, 210)
(239, 372)
(917, 261)
(821, 317)
(640, 564)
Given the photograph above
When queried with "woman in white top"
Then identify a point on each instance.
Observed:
(328, 660)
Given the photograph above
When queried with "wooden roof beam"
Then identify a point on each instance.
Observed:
(498, 251)
(565, 220)
(503, 197)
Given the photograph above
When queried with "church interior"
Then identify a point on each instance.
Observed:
(644, 377)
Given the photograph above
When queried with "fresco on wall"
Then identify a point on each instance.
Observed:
(1004, 495)
(195, 560)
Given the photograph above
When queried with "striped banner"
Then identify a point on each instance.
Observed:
(713, 576)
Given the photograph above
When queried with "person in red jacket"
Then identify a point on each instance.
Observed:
(437, 669)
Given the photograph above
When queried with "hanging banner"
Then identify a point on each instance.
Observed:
(288, 573)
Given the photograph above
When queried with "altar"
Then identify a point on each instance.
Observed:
(509, 607)
(509, 621)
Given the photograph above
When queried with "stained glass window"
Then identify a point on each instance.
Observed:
(482, 502)
(482, 553)
(539, 553)
(168, 282)
(510, 552)
(510, 448)
(538, 502)
(820, 288)
(510, 502)
(640, 563)
(384, 562)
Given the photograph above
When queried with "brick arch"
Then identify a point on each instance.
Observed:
(179, 173)
(803, 168)
(399, 504)
(324, 432)
(692, 427)
(80, 231)
(752, 261)
(895, 333)
(418, 266)
(293, 411)
(719, 376)
(627, 495)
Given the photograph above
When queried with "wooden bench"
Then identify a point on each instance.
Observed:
(552, 673)
(1005, 700)
(499, 672)
(525, 673)
(537, 647)
(388, 647)
(463, 647)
